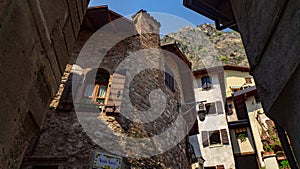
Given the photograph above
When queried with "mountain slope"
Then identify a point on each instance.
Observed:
(205, 46)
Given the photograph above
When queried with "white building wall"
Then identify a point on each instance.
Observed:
(254, 110)
(215, 154)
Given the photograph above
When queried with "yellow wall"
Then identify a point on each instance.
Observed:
(246, 147)
(236, 79)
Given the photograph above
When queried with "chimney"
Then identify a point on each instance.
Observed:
(148, 28)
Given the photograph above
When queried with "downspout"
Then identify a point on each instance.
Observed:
(288, 151)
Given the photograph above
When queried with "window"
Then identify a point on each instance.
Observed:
(209, 167)
(229, 110)
(96, 87)
(220, 167)
(248, 80)
(169, 78)
(214, 108)
(215, 137)
(241, 130)
(235, 88)
(206, 82)
(217, 167)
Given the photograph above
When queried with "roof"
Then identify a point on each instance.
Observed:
(218, 10)
(173, 48)
(221, 68)
(98, 16)
(250, 91)
(237, 68)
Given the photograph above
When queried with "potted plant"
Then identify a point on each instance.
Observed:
(285, 164)
(268, 150)
(242, 137)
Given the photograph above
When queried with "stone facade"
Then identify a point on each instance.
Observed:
(36, 40)
(65, 142)
(276, 78)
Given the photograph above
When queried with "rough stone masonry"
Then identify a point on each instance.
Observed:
(63, 141)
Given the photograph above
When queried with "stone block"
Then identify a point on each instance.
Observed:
(20, 50)
(80, 10)
(281, 57)
(85, 4)
(60, 47)
(75, 19)
(253, 14)
(68, 35)
(46, 43)
(55, 11)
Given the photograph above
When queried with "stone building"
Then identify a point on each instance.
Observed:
(270, 34)
(36, 42)
(105, 90)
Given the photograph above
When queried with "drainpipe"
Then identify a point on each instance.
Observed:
(288, 151)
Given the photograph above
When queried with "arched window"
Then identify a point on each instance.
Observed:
(96, 85)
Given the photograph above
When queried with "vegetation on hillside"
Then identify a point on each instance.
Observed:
(205, 46)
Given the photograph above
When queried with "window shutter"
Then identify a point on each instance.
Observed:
(240, 107)
(117, 90)
(219, 107)
(224, 135)
(204, 138)
(207, 107)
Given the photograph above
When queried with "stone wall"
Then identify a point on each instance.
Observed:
(270, 33)
(63, 136)
(36, 40)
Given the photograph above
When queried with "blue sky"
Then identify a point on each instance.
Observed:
(179, 15)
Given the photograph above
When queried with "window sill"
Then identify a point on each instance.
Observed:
(206, 89)
(216, 145)
(212, 115)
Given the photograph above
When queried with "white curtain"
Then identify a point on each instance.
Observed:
(102, 91)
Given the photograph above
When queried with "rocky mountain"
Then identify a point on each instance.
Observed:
(205, 46)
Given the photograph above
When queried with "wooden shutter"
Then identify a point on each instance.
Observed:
(204, 138)
(116, 90)
(224, 135)
(240, 107)
(219, 107)
(207, 107)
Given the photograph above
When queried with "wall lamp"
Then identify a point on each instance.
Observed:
(201, 108)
